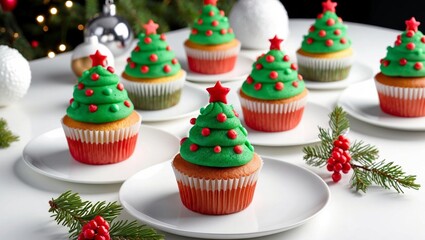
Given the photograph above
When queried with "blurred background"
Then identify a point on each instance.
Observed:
(40, 28)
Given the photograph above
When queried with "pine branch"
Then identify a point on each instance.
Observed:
(363, 153)
(70, 211)
(339, 123)
(6, 136)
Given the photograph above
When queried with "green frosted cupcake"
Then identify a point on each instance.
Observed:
(153, 77)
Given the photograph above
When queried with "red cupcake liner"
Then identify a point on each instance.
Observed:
(272, 122)
(212, 66)
(218, 202)
(402, 107)
(102, 153)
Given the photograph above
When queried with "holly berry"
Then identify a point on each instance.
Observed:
(97, 228)
(339, 158)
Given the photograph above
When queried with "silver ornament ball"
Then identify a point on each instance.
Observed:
(112, 31)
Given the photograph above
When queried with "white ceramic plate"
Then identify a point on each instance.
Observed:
(192, 99)
(242, 69)
(305, 133)
(359, 72)
(361, 101)
(48, 154)
(286, 197)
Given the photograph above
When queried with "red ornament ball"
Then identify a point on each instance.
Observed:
(193, 121)
(269, 58)
(410, 46)
(279, 86)
(221, 117)
(205, 132)
(217, 149)
(403, 61)
(193, 147)
(273, 75)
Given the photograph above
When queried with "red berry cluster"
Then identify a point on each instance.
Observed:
(97, 229)
(340, 158)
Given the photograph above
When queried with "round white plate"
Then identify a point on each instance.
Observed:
(241, 70)
(305, 133)
(48, 154)
(359, 72)
(192, 99)
(361, 101)
(286, 197)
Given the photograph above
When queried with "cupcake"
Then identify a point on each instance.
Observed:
(100, 124)
(274, 95)
(326, 54)
(217, 168)
(212, 47)
(153, 76)
(401, 81)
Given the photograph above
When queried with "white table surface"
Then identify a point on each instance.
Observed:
(379, 214)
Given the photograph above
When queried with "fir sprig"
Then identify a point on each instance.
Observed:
(366, 170)
(6, 136)
(71, 211)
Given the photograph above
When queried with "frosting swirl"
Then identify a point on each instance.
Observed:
(217, 138)
(273, 76)
(407, 57)
(211, 27)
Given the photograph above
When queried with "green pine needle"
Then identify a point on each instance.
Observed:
(366, 171)
(70, 211)
(6, 136)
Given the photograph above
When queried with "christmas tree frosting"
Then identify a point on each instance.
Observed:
(273, 76)
(152, 57)
(407, 57)
(328, 33)
(99, 97)
(217, 138)
(212, 26)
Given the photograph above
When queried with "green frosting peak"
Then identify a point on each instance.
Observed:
(217, 139)
(99, 97)
(211, 27)
(152, 58)
(327, 34)
(273, 77)
(407, 57)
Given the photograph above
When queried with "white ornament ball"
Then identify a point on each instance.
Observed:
(15, 75)
(255, 22)
(80, 59)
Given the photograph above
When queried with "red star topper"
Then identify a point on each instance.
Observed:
(98, 59)
(218, 93)
(212, 2)
(329, 6)
(412, 24)
(150, 27)
(275, 43)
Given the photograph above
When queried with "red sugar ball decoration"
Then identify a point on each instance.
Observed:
(300, 77)
(194, 31)
(183, 140)
(329, 42)
(397, 42)
(193, 147)
(410, 46)
(236, 114)
(230, 30)
(398, 37)
(249, 80)
(200, 21)
(127, 103)
(403, 61)
(132, 65)
(423, 39)
(221, 117)
(257, 86)
(320, 15)
(110, 69)
(232, 134)
(214, 23)
(80, 86)
(295, 84)
(385, 63)
(153, 57)
(168, 48)
(322, 33)
(193, 121)
(95, 77)
(92, 108)
(120, 86)
(205, 132)
(238, 149)
(222, 13)
(217, 149)
(273, 75)
(89, 92)
(330, 22)
(162, 37)
(137, 48)
(343, 41)
(294, 66)
(223, 31)
(148, 40)
(310, 40)
(410, 33)
(337, 32)
(174, 61)
(286, 58)
(418, 66)
(167, 68)
(279, 86)
(258, 66)
(312, 29)
(269, 58)
(211, 13)
(144, 69)
(208, 33)
(71, 101)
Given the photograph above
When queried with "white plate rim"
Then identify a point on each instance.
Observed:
(153, 222)
(190, 86)
(28, 162)
(342, 101)
(342, 83)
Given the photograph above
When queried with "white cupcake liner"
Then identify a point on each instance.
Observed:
(405, 93)
(324, 63)
(212, 55)
(154, 89)
(264, 107)
(103, 136)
